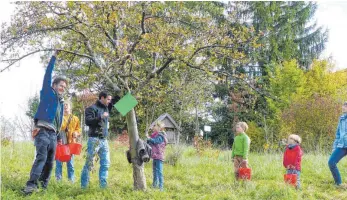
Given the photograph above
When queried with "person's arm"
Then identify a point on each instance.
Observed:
(284, 158)
(156, 140)
(47, 79)
(114, 100)
(233, 150)
(337, 137)
(92, 118)
(298, 159)
(245, 147)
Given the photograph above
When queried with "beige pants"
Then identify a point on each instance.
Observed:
(239, 162)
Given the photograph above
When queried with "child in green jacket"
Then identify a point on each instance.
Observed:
(240, 147)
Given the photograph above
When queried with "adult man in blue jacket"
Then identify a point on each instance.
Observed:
(48, 119)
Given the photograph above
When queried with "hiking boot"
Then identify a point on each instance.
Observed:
(30, 189)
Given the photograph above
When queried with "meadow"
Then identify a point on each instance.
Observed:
(204, 175)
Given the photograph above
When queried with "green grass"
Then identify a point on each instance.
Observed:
(209, 176)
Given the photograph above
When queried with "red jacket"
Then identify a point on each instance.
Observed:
(292, 158)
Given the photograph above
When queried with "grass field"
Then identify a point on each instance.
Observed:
(205, 176)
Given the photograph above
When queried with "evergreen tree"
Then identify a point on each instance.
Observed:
(287, 29)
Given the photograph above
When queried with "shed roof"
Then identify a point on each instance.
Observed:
(164, 117)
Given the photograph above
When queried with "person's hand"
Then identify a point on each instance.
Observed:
(56, 53)
(60, 141)
(290, 167)
(244, 163)
(104, 115)
(35, 132)
(147, 136)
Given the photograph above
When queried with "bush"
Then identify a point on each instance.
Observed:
(174, 154)
(6, 141)
(201, 145)
(257, 136)
(315, 120)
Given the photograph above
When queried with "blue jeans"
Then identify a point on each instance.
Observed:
(45, 143)
(335, 157)
(70, 170)
(297, 172)
(158, 176)
(100, 147)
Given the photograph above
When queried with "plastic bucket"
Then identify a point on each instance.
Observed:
(63, 153)
(290, 179)
(75, 148)
(245, 173)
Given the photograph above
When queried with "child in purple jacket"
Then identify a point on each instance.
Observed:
(158, 142)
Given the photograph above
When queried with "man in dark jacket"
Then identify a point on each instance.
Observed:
(48, 119)
(96, 117)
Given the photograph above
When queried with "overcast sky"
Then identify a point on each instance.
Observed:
(24, 80)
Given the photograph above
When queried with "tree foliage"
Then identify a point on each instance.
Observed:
(309, 103)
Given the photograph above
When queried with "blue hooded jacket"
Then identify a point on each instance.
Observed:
(341, 133)
(49, 99)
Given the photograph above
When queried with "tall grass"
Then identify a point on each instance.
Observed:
(208, 175)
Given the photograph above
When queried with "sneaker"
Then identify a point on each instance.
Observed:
(30, 189)
(342, 186)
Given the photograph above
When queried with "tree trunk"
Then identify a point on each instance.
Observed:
(138, 170)
(150, 118)
(179, 125)
(196, 120)
(147, 122)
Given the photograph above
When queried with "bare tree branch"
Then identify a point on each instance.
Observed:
(143, 31)
(153, 75)
(31, 32)
(113, 42)
(13, 61)
(238, 78)
(211, 46)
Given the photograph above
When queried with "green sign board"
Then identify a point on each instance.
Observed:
(125, 104)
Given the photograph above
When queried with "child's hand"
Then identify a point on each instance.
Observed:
(245, 163)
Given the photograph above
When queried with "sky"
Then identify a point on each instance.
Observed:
(25, 79)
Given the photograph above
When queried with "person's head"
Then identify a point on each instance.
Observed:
(294, 139)
(105, 98)
(59, 85)
(158, 126)
(344, 107)
(241, 127)
(67, 108)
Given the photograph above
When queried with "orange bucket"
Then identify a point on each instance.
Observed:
(62, 153)
(245, 173)
(75, 148)
(290, 179)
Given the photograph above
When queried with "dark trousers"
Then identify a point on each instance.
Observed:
(45, 142)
